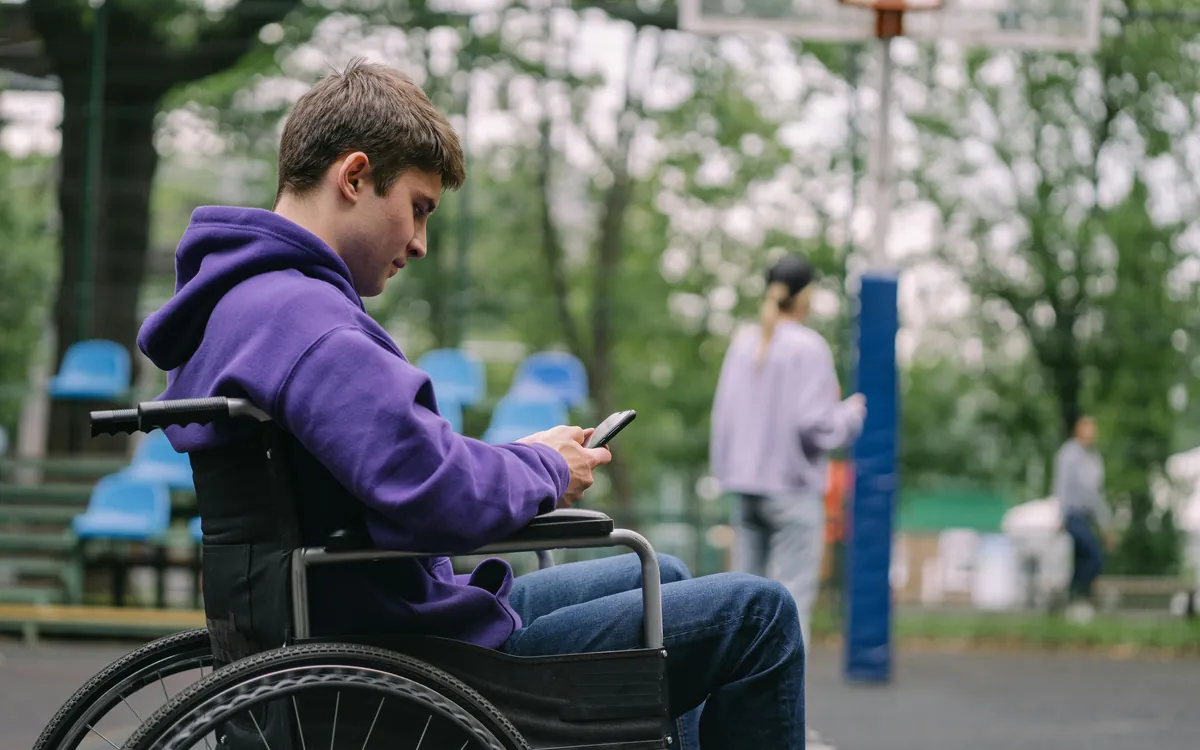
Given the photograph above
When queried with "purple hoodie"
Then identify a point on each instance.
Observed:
(265, 310)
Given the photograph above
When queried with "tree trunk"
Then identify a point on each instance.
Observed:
(1063, 362)
(608, 257)
(552, 246)
(121, 240)
(139, 68)
(607, 272)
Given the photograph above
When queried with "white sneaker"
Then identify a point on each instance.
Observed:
(1081, 613)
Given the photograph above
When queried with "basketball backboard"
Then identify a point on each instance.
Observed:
(1051, 25)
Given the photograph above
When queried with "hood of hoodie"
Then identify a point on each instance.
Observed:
(221, 248)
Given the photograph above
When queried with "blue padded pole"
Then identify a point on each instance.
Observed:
(868, 596)
(868, 621)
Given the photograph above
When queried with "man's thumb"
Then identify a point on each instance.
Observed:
(599, 456)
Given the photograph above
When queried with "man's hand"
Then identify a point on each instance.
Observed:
(568, 441)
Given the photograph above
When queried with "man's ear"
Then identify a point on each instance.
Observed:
(353, 175)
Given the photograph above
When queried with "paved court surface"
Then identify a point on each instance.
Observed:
(1010, 702)
(938, 701)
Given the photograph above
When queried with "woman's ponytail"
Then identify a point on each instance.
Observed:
(787, 281)
(776, 296)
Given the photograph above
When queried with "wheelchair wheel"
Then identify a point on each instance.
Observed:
(328, 695)
(116, 684)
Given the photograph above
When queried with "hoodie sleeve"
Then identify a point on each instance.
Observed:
(358, 408)
(822, 418)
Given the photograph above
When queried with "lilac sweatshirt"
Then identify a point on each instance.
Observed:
(264, 310)
(774, 424)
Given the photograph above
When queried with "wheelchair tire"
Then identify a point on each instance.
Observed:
(160, 658)
(251, 682)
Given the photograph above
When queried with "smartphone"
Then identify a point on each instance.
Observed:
(609, 428)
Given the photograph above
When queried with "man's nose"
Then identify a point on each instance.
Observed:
(417, 248)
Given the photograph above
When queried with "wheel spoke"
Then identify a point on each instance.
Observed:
(266, 744)
(299, 724)
(110, 742)
(372, 728)
(164, 685)
(336, 705)
(423, 731)
(131, 708)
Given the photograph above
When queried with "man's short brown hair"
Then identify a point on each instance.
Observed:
(374, 109)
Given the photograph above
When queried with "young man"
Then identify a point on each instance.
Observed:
(1079, 488)
(268, 306)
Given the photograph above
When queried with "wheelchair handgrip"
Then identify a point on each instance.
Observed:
(152, 415)
(118, 422)
(181, 413)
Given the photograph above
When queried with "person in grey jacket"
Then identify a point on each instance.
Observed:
(777, 414)
(1079, 488)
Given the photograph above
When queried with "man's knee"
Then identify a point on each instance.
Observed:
(775, 597)
(672, 569)
(773, 615)
(767, 599)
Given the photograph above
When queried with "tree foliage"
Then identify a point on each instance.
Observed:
(1073, 239)
(624, 207)
(26, 271)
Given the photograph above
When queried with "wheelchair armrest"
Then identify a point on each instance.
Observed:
(565, 523)
(572, 528)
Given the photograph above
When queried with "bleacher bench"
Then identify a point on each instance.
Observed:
(1111, 590)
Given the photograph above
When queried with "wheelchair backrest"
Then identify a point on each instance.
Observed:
(260, 497)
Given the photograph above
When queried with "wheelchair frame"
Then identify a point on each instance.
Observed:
(546, 532)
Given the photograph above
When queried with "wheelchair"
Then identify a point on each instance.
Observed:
(273, 684)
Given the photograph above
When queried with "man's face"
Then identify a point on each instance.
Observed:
(1085, 431)
(378, 234)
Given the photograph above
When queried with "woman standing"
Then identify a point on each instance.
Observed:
(776, 416)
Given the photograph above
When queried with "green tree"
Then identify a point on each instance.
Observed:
(1069, 250)
(26, 272)
(142, 49)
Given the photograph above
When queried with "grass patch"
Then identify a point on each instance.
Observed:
(1021, 630)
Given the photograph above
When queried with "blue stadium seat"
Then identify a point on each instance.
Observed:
(559, 373)
(194, 530)
(122, 507)
(93, 370)
(453, 412)
(155, 460)
(516, 417)
(456, 375)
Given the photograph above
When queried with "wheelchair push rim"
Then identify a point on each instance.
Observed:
(454, 715)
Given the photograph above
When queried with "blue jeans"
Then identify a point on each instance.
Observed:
(733, 642)
(1089, 553)
(782, 537)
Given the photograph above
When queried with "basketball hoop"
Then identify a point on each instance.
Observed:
(1051, 26)
(889, 14)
